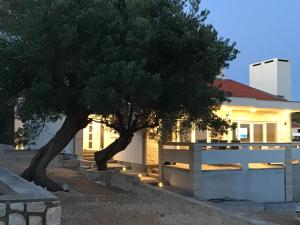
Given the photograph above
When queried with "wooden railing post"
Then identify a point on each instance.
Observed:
(195, 169)
(160, 161)
(288, 175)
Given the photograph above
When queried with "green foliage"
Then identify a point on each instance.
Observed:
(296, 117)
(296, 139)
(136, 63)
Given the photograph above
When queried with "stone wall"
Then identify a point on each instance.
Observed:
(27, 204)
(30, 213)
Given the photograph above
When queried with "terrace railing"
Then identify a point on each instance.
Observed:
(195, 155)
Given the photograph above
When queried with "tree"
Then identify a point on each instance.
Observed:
(135, 63)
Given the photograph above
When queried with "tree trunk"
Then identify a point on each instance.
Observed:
(37, 170)
(101, 157)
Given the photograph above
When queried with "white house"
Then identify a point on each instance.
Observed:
(261, 112)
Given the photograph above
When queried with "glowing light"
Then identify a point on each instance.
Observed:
(160, 184)
(124, 168)
(140, 175)
(253, 110)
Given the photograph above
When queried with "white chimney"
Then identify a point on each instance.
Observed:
(272, 76)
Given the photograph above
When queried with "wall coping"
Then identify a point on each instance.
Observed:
(22, 190)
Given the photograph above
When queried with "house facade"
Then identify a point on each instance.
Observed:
(259, 115)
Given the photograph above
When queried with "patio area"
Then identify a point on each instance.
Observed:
(263, 172)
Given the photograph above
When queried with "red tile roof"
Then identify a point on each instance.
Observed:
(237, 89)
(295, 125)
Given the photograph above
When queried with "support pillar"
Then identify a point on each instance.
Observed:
(288, 176)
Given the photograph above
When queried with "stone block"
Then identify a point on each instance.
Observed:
(53, 216)
(35, 220)
(2, 209)
(36, 206)
(17, 206)
(2, 223)
(16, 219)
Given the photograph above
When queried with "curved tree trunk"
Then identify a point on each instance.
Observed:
(101, 157)
(37, 170)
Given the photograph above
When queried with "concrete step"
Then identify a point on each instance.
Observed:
(89, 158)
(154, 170)
(153, 175)
(117, 166)
(149, 180)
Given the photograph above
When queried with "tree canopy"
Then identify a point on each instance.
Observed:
(135, 63)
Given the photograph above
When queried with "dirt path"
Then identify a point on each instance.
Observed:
(89, 203)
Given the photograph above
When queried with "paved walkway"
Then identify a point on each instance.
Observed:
(89, 203)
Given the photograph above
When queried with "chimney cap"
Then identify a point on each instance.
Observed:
(266, 61)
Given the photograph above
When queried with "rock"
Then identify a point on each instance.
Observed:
(36, 206)
(17, 206)
(16, 219)
(35, 220)
(2, 210)
(53, 216)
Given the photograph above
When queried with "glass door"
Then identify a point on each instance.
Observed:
(244, 133)
(271, 132)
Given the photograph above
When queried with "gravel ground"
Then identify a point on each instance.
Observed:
(278, 213)
(89, 203)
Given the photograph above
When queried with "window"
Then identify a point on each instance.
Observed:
(298, 131)
(90, 136)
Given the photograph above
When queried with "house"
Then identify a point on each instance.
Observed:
(261, 112)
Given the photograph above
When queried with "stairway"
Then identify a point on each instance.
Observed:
(153, 173)
(88, 155)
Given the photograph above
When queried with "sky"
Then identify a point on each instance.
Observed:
(262, 29)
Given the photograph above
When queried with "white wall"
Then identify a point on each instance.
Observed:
(255, 185)
(134, 152)
(48, 132)
(272, 76)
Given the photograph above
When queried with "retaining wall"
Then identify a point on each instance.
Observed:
(26, 203)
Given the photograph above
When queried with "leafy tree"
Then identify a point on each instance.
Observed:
(296, 117)
(135, 63)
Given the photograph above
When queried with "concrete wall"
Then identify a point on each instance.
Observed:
(255, 185)
(134, 152)
(178, 177)
(296, 183)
